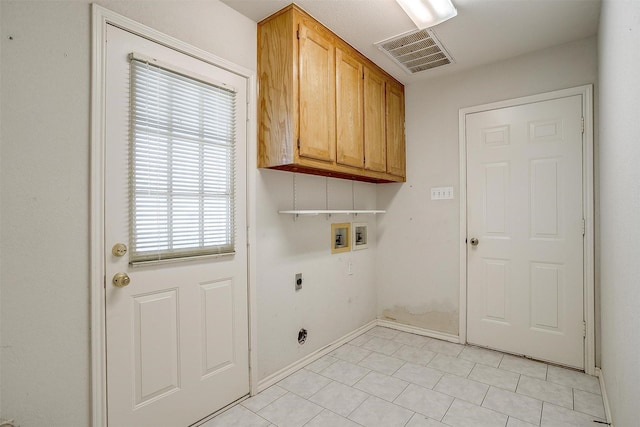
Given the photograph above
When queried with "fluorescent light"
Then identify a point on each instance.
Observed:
(427, 13)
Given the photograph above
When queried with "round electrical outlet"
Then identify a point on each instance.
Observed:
(302, 336)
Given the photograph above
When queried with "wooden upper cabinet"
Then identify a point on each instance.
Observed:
(322, 106)
(375, 153)
(317, 83)
(396, 157)
(277, 95)
(350, 115)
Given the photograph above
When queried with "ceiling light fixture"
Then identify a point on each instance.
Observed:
(427, 13)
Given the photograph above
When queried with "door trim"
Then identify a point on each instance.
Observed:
(102, 17)
(587, 209)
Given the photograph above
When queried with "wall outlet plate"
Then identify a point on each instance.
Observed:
(441, 193)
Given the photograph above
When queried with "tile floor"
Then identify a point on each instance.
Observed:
(390, 378)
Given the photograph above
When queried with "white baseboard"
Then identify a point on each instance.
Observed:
(312, 357)
(419, 331)
(605, 399)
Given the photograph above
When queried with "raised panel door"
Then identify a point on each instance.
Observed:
(317, 85)
(375, 147)
(349, 117)
(177, 335)
(524, 205)
(395, 129)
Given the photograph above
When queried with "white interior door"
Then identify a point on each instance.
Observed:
(525, 208)
(177, 335)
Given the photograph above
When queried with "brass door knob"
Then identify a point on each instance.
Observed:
(119, 249)
(474, 241)
(121, 280)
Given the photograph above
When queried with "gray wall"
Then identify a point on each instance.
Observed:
(619, 68)
(45, 362)
(44, 188)
(332, 301)
(418, 266)
(44, 201)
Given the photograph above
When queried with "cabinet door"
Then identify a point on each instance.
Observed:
(395, 129)
(349, 115)
(374, 121)
(316, 93)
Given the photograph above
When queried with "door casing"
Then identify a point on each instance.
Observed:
(588, 208)
(101, 17)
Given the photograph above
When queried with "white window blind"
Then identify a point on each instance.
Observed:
(182, 165)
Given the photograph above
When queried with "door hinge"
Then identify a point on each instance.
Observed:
(298, 34)
(584, 329)
(584, 227)
(298, 143)
(583, 125)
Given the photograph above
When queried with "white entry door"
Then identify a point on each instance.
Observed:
(177, 333)
(525, 230)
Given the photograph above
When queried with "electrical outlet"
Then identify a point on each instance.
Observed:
(298, 281)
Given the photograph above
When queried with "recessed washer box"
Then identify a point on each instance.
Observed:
(360, 235)
(340, 237)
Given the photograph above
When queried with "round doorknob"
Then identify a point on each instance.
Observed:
(474, 241)
(121, 280)
(119, 249)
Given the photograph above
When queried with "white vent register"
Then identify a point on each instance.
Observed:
(416, 51)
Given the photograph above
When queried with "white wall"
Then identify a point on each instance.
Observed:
(44, 179)
(44, 202)
(418, 245)
(332, 302)
(44, 232)
(1, 36)
(619, 68)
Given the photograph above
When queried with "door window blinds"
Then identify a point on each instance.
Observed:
(182, 164)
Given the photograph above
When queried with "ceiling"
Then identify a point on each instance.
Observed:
(484, 31)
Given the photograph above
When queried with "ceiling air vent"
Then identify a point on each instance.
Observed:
(416, 51)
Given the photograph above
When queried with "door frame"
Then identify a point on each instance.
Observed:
(101, 17)
(587, 208)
